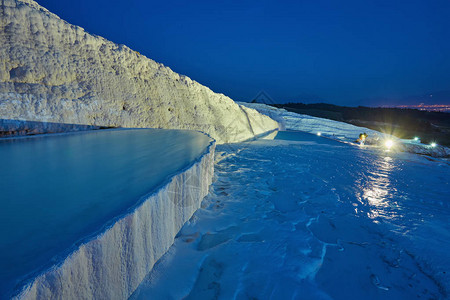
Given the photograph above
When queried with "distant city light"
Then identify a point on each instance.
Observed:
(389, 144)
(433, 145)
(416, 138)
(428, 107)
(319, 133)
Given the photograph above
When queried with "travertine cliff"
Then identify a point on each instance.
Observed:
(53, 71)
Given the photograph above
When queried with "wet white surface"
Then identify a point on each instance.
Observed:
(304, 217)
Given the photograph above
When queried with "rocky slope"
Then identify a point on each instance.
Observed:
(52, 71)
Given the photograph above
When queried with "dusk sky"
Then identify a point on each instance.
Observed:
(343, 52)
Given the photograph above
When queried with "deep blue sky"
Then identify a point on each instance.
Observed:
(342, 52)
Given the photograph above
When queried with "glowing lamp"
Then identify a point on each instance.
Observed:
(319, 133)
(389, 144)
(433, 144)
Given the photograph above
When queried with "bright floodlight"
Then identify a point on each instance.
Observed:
(319, 133)
(389, 144)
(416, 138)
(433, 145)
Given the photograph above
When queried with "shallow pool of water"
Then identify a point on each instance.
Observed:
(58, 191)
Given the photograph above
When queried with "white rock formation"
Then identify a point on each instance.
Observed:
(53, 71)
(112, 265)
(343, 131)
(294, 121)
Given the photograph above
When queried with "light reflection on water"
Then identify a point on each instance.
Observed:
(377, 192)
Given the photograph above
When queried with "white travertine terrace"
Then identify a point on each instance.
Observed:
(52, 71)
(55, 72)
(112, 264)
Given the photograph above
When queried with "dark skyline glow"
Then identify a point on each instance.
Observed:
(341, 52)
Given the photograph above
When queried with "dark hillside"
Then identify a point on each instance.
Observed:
(403, 123)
